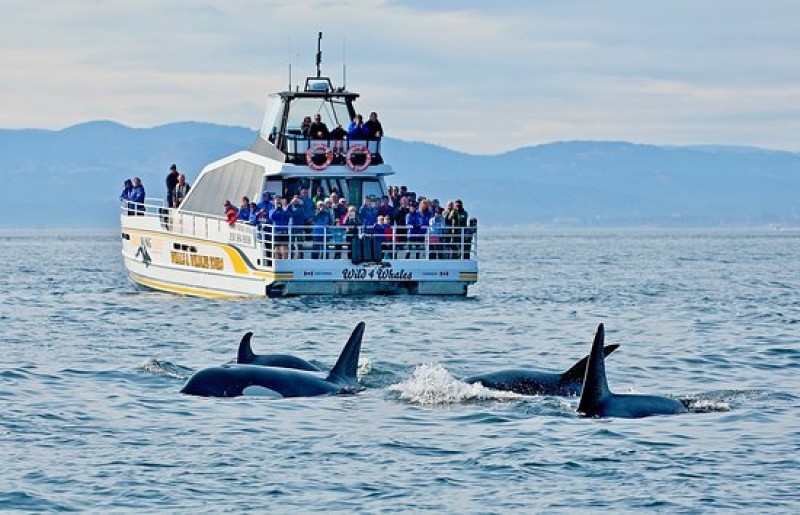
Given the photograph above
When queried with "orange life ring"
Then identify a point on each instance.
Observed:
(316, 150)
(348, 157)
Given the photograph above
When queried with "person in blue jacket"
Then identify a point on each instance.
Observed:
(368, 213)
(320, 220)
(414, 224)
(138, 195)
(244, 210)
(297, 221)
(125, 196)
(279, 216)
(357, 129)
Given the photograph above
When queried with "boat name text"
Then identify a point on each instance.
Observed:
(197, 261)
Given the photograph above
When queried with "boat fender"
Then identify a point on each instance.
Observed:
(358, 149)
(318, 150)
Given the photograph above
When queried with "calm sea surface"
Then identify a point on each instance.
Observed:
(90, 369)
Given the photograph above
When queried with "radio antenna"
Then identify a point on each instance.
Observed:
(319, 54)
(344, 63)
(290, 63)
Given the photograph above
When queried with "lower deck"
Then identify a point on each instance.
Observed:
(198, 255)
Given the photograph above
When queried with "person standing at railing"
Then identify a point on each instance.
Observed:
(172, 181)
(230, 212)
(399, 219)
(385, 209)
(181, 189)
(457, 219)
(357, 129)
(305, 127)
(298, 218)
(337, 136)
(320, 221)
(279, 216)
(318, 129)
(436, 227)
(244, 210)
(416, 233)
(368, 213)
(265, 204)
(374, 126)
(138, 195)
(125, 196)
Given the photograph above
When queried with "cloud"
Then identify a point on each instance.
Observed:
(476, 76)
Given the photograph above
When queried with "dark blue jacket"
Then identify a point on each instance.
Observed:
(297, 214)
(126, 193)
(137, 194)
(243, 214)
(415, 221)
(280, 219)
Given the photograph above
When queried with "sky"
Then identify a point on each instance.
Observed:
(478, 77)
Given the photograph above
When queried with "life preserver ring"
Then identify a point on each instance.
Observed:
(348, 157)
(318, 150)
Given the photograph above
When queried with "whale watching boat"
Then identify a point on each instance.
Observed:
(193, 249)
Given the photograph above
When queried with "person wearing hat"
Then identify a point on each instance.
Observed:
(172, 181)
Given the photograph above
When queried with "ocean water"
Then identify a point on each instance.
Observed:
(91, 417)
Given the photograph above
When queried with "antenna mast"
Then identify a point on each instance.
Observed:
(319, 54)
(290, 63)
(344, 64)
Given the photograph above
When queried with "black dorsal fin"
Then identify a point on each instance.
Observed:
(595, 386)
(578, 370)
(344, 372)
(245, 354)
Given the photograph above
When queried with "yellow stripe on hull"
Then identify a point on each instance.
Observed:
(183, 290)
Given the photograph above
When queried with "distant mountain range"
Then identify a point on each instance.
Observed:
(72, 177)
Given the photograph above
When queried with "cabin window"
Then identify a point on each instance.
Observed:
(332, 111)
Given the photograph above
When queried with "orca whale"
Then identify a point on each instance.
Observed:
(598, 401)
(237, 380)
(246, 356)
(535, 382)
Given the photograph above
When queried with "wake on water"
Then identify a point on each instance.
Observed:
(431, 384)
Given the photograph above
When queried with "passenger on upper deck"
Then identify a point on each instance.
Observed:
(374, 126)
(318, 129)
(337, 135)
(357, 129)
(138, 195)
(305, 127)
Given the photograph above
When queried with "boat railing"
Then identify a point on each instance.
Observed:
(358, 244)
(365, 244)
(192, 224)
(297, 147)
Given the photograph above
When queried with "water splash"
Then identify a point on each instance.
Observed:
(165, 369)
(431, 384)
(364, 367)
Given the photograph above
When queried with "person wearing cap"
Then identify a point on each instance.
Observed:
(172, 181)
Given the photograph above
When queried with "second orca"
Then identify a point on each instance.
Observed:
(237, 380)
(535, 382)
(245, 356)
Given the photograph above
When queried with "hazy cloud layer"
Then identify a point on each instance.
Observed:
(475, 76)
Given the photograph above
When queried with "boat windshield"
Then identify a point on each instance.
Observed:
(333, 112)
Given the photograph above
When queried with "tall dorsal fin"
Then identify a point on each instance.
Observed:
(595, 386)
(578, 370)
(346, 367)
(245, 354)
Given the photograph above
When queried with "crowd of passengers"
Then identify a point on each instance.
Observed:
(400, 213)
